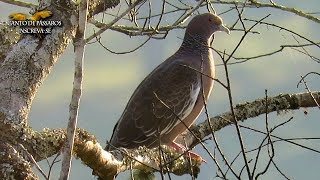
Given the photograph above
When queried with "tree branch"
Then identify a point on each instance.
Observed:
(79, 46)
(248, 110)
(31, 59)
(42, 145)
(107, 165)
(8, 37)
(257, 4)
(49, 142)
(12, 165)
(27, 62)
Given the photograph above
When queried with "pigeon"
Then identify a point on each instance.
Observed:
(172, 96)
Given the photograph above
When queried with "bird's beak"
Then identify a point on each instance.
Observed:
(224, 28)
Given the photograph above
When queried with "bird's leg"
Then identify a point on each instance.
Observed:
(182, 149)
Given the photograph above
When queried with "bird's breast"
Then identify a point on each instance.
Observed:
(205, 65)
(209, 70)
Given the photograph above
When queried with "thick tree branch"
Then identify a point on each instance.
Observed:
(27, 62)
(106, 165)
(248, 110)
(26, 66)
(8, 37)
(42, 145)
(13, 165)
(49, 142)
(31, 59)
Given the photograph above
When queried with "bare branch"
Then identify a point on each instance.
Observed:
(107, 165)
(34, 162)
(13, 165)
(283, 28)
(79, 43)
(256, 4)
(245, 59)
(103, 29)
(253, 109)
(311, 94)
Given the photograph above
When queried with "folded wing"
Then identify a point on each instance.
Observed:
(168, 94)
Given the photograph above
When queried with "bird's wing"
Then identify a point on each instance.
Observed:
(147, 114)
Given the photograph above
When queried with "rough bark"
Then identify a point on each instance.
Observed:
(282, 102)
(49, 142)
(24, 65)
(79, 49)
(12, 165)
(24, 68)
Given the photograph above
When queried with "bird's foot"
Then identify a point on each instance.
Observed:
(182, 149)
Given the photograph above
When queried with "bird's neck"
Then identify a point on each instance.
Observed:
(195, 43)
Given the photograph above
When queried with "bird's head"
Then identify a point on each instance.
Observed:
(206, 24)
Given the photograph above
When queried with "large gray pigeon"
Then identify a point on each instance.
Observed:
(170, 98)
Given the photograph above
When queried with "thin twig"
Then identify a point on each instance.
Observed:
(256, 4)
(283, 28)
(306, 76)
(54, 161)
(211, 129)
(225, 61)
(270, 152)
(244, 35)
(123, 52)
(34, 162)
(103, 29)
(307, 88)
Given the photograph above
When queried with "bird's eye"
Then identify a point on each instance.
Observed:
(210, 19)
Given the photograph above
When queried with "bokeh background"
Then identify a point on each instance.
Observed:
(110, 79)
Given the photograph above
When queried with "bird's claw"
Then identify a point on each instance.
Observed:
(182, 149)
